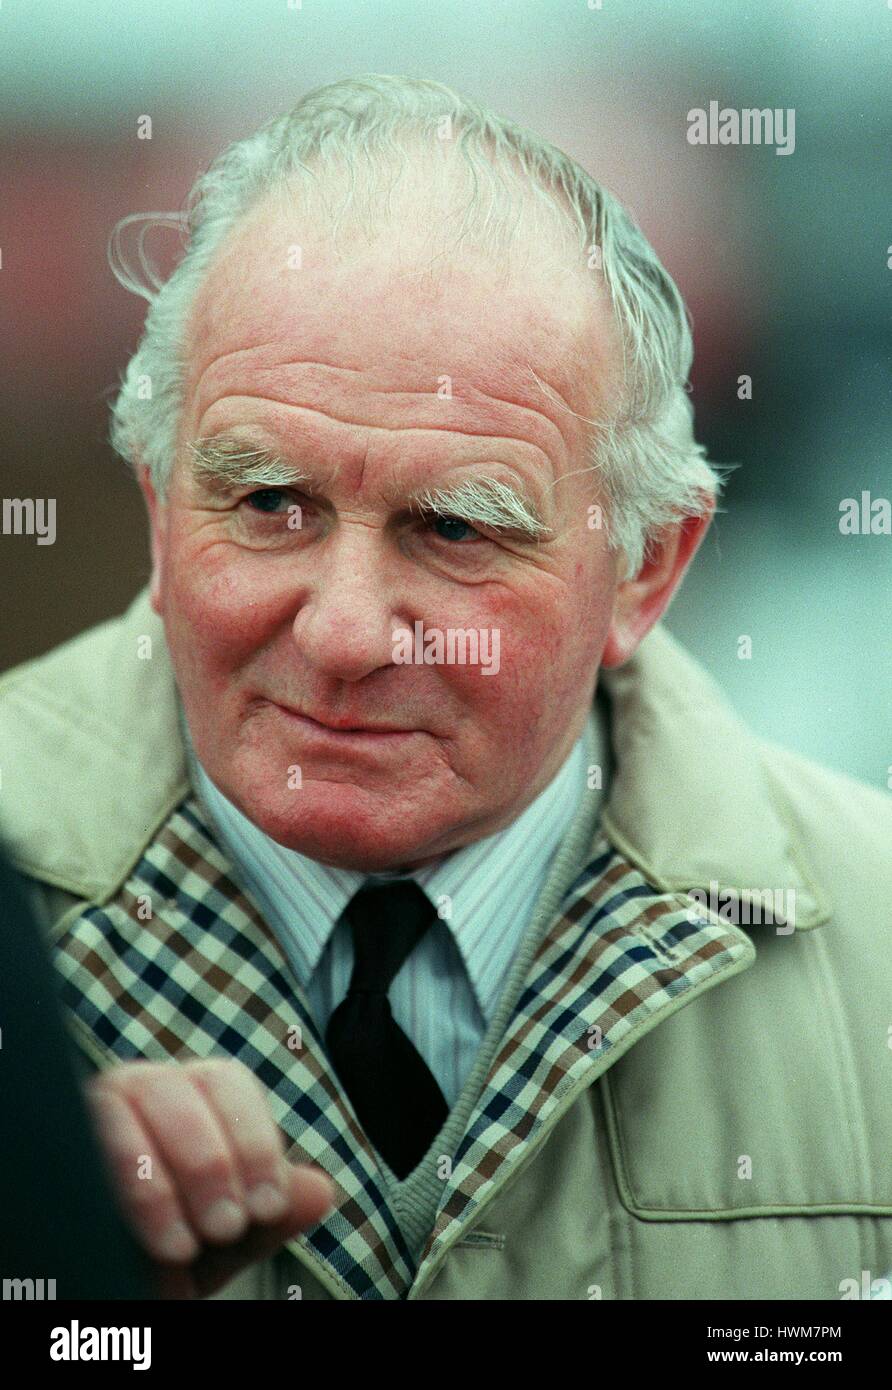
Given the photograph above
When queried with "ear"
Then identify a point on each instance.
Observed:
(641, 601)
(158, 534)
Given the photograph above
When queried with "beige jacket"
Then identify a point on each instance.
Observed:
(730, 1137)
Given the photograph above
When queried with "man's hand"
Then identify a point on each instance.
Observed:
(200, 1169)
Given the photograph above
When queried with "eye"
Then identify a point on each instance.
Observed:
(266, 499)
(452, 528)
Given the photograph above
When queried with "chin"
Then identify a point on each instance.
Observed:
(344, 826)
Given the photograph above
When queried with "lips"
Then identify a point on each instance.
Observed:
(341, 725)
(346, 727)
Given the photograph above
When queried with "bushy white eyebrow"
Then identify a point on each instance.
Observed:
(226, 462)
(487, 501)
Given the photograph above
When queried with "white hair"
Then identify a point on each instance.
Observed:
(652, 470)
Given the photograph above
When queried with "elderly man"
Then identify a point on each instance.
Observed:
(413, 959)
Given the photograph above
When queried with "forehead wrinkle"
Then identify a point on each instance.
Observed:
(381, 429)
(310, 444)
(276, 361)
(468, 392)
(462, 391)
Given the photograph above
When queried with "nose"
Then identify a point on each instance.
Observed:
(343, 628)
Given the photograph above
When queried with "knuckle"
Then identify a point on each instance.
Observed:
(214, 1068)
(149, 1196)
(133, 1078)
(210, 1171)
(257, 1154)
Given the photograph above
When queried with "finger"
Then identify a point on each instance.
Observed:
(148, 1197)
(243, 1112)
(194, 1149)
(311, 1193)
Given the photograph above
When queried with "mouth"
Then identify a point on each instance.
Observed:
(344, 732)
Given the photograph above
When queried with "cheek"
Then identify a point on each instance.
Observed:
(549, 640)
(217, 612)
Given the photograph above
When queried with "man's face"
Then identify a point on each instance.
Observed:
(379, 384)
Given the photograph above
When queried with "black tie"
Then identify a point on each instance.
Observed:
(391, 1088)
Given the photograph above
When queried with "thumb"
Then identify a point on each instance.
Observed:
(311, 1194)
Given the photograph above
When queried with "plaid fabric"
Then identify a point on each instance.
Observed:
(180, 964)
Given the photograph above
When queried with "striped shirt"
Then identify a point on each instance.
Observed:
(446, 992)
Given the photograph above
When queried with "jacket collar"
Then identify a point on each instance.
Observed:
(690, 803)
(693, 802)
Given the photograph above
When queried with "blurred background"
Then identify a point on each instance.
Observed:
(784, 261)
